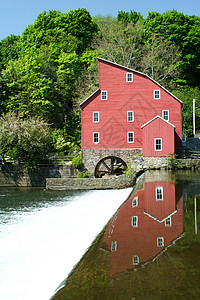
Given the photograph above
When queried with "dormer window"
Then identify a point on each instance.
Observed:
(156, 94)
(104, 95)
(129, 77)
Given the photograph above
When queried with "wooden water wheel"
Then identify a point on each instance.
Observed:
(110, 165)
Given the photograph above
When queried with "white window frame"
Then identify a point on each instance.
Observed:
(168, 222)
(96, 137)
(113, 246)
(130, 116)
(95, 117)
(104, 95)
(165, 111)
(156, 94)
(129, 77)
(155, 144)
(134, 221)
(130, 139)
(159, 193)
(160, 241)
(135, 201)
(136, 260)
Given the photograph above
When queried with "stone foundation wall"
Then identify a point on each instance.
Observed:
(90, 157)
(148, 163)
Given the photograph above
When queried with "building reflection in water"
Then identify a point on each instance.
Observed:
(145, 226)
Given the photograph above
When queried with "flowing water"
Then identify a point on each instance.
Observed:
(150, 249)
(43, 234)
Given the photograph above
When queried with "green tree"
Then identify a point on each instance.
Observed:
(186, 94)
(42, 81)
(8, 50)
(184, 32)
(27, 141)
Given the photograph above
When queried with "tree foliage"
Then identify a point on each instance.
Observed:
(27, 141)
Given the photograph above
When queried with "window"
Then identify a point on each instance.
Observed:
(135, 260)
(110, 231)
(165, 115)
(95, 117)
(114, 246)
(160, 241)
(156, 94)
(95, 137)
(104, 95)
(135, 201)
(159, 193)
(129, 77)
(130, 116)
(158, 144)
(135, 221)
(168, 222)
(130, 137)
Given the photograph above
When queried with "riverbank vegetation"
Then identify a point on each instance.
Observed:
(49, 70)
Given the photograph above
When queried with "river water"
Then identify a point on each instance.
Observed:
(43, 234)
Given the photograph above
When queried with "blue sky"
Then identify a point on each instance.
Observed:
(16, 15)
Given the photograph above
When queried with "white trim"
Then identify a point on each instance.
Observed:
(95, 112)
(156, 118)
(132, 116)
(98, 137)
(155, 219)
(165, 110)
(104, 94)
(129, 77)
(130, 142)
(134, 71)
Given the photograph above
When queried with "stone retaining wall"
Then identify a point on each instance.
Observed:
(13, 176)
(111, 182)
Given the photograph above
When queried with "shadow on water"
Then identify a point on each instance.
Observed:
(150, 249)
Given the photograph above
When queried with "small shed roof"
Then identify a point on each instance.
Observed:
(155, 119)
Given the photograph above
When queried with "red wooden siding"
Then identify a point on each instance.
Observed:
(137, 96)
(158, 128)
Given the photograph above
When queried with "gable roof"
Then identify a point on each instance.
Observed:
(140, 73)
(155, 119)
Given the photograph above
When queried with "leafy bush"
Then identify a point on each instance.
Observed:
(27, 141)
(77, 162)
